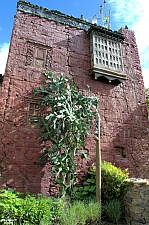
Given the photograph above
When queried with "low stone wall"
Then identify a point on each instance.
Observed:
(136, 202)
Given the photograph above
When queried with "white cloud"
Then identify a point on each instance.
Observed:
(4, 48)
(135, 15)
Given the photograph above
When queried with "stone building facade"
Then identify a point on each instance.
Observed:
(108, 61)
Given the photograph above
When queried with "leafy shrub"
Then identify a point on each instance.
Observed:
(87, 192)
(10, 203)
(112, 210)
(42, 210)
(29, 209)
(37, 209)
(113, 183)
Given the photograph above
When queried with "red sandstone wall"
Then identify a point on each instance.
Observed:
(124, 137)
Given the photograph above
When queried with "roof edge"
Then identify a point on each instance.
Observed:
(57, 16)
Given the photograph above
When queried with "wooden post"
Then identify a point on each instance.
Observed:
(98, 160)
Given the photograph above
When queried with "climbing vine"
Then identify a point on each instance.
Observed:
(66, 122)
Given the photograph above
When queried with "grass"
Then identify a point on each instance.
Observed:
(112, 210)
(81, 213)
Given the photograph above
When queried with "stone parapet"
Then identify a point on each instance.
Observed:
(57, 16)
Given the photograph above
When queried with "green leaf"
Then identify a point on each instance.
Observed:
(84, 155)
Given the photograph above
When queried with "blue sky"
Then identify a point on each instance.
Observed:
(133, 13)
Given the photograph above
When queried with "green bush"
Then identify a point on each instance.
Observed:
(10, 203)
(19, 209)
(113, 183)
(28, 209)
(87, 192)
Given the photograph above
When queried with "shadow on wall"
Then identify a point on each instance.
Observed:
(124, 127)
(130, 144)
(20, 166)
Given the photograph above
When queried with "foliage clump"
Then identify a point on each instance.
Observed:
(66, 122)
(17, 208)
(113, 181)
